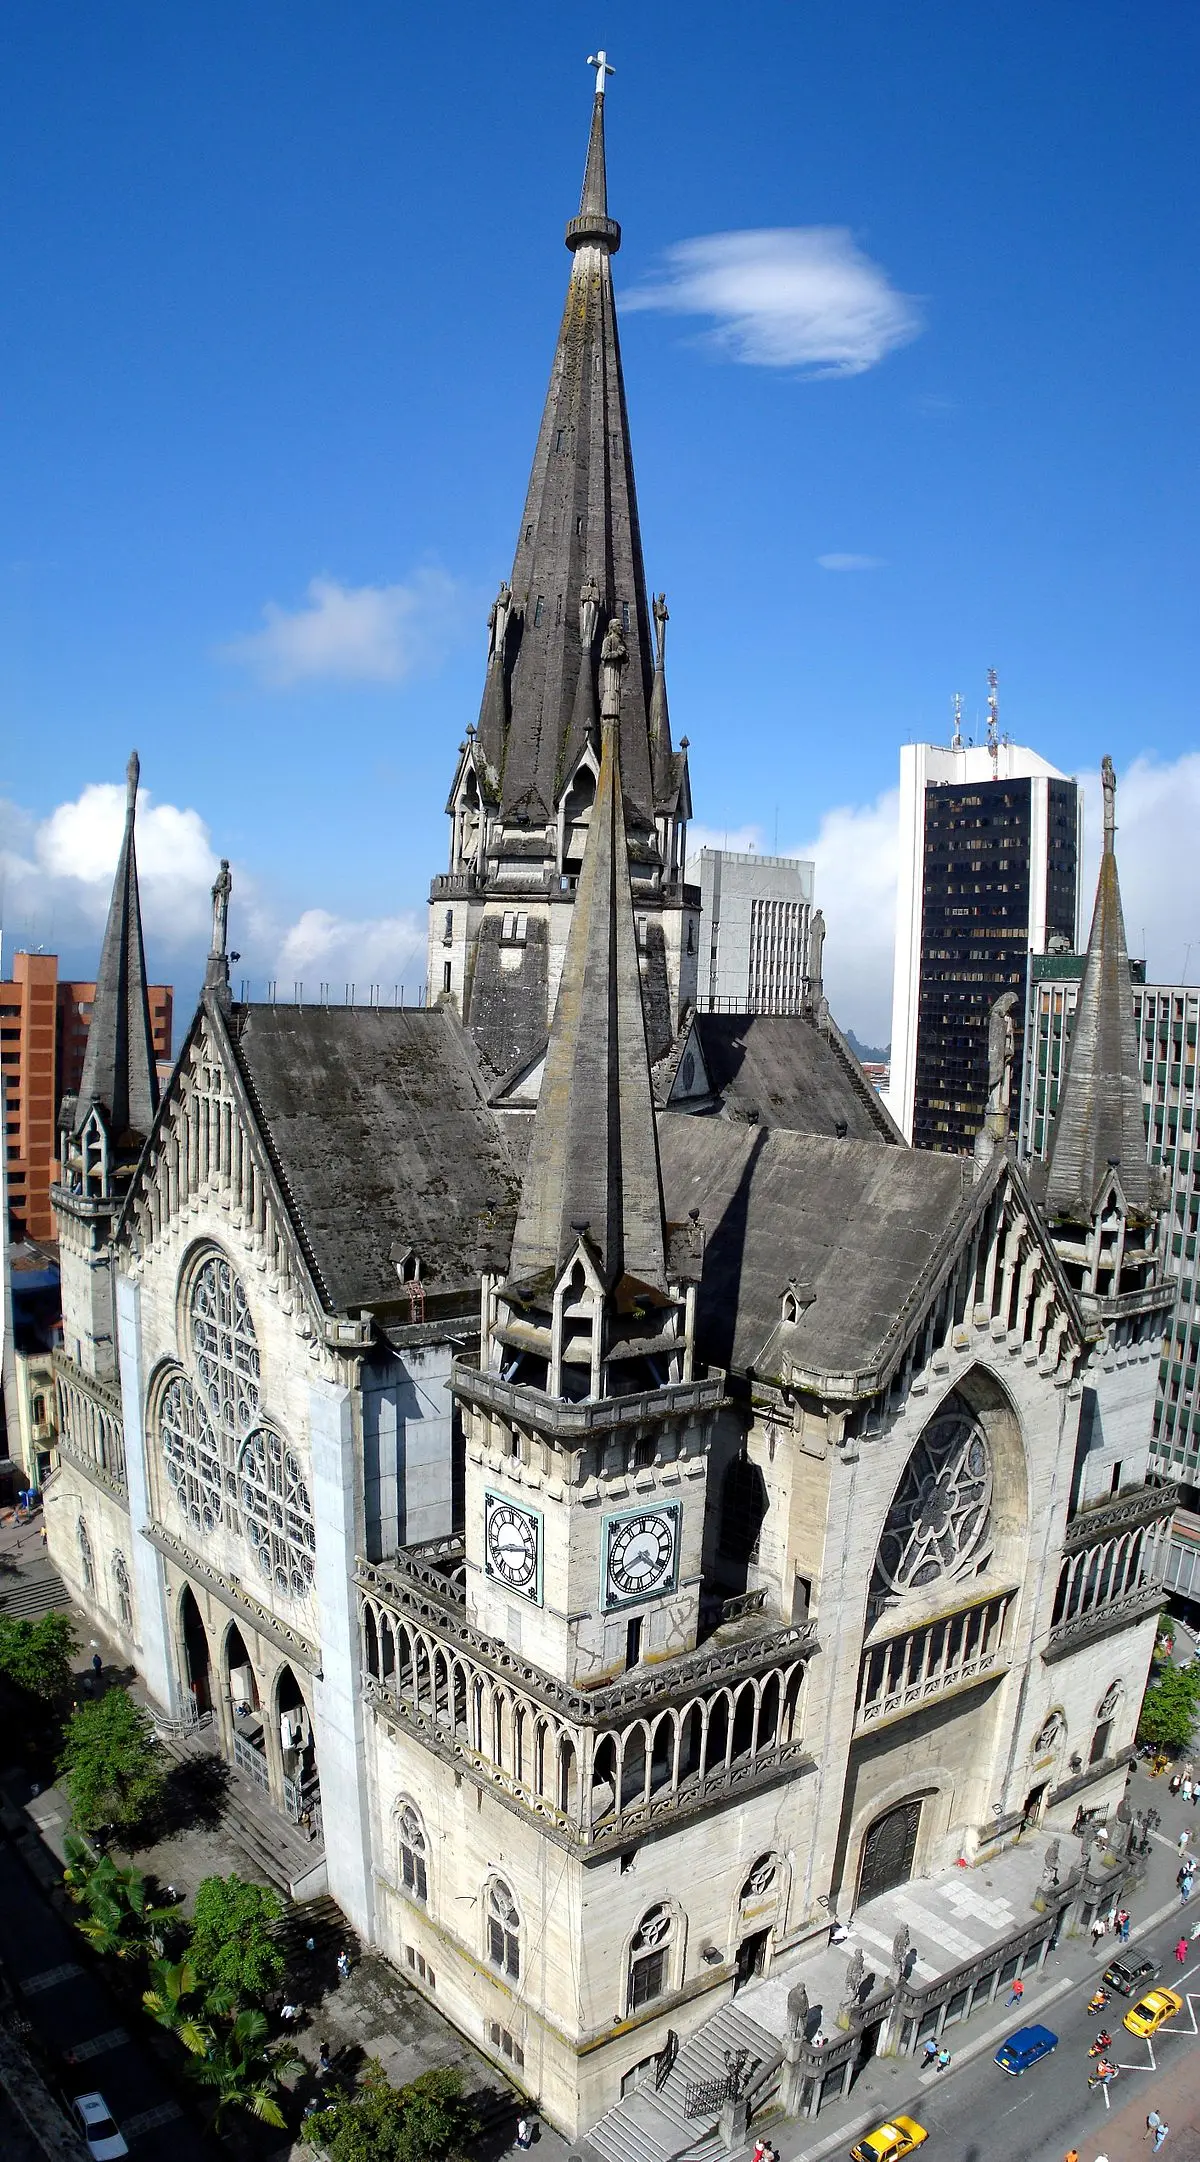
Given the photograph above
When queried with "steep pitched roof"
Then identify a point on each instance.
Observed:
(593, 1156)
(1101, 1118)
(580, 524)
(376, 1124)
(119, 1074)
(784, 1070)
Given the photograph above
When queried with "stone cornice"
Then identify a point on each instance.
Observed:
(240, 1602)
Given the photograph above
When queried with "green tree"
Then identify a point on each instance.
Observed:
(36, 1655)
(1169, 1708)
(235, 1948)
(116, 1916)
(246, 2071)
(112, 1765)
(427, 2121)
(173, 1984)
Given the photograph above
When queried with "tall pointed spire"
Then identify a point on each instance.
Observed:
(119, 1075)
(580, 523)
(593, 1157)
(1101, 1120)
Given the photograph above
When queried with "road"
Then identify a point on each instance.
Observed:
(980, 2114)
(70, 2008)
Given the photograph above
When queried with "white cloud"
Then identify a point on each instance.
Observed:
(339, 950)
(802, 297)
(357, 634)
(1158, 817)
(851, 563)
(56, 875)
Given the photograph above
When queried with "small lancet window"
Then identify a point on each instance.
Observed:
(624, 615)
(539, 610)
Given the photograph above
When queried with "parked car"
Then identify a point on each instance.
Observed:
(1024, 2048)
(888, 2142)
(101, 2137)
(1147, 2015)
(1127, 1976)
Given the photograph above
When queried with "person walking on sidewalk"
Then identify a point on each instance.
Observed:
(943, 2058)
(1181, 1950)
(1018, 1991)
(929, 2055)
(1157, 2129)
(1183, 1839)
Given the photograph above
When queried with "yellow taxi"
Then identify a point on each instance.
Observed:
(888, 2142)
(1148, 2014)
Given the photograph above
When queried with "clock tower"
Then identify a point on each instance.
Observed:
(587, 1422)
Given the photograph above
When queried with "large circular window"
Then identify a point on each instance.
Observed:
(276, 1511)
(940, 1521)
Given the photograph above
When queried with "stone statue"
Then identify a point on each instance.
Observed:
(222, 888)
(855, 1974)
(589, 611)
(797, 2009)
(816, 950)
(661, 619)
(1002, 1044)
(1050, 1864)
(901, 1947)
(1108, 781)
(498, 615)
(613, 658)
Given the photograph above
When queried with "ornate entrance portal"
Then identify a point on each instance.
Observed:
(888, 1851)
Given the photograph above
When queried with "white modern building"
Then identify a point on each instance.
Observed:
(989, 846)
(756, 916)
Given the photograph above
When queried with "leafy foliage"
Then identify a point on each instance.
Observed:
(427, 2121)
(116, 1919)
(235, 1951)
(246, 2070)
(1169, 1708)
(36, 1655)
(111, 1764)
(173, 1984)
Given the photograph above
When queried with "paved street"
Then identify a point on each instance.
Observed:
(70, 2009)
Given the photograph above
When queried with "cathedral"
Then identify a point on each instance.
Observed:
(627, 1503)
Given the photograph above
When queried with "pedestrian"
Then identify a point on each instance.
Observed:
(524, 2132)
(1154, 2123)
(943, 2058)
(1183, 1839)
(289, 2014)
(1185, 1790)
(324, 2067)
(1017, 1992)
(760, 2151)
(343, 1966)
(97, 1663)
(1099, 1925)
(1181, 1950)
(1185, 1890)
(1071, 2155)
(928, 2055)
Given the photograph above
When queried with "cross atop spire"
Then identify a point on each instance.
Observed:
(599, 61)
(593, 223)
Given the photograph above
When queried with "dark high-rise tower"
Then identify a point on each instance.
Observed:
(523, 792)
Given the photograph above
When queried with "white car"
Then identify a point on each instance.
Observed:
(104, 2142)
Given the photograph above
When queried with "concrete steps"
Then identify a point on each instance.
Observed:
(30, 1596)
(274, 1849)
(646, 2126)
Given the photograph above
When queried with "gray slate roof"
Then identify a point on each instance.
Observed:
(791, 1073)
(376, 1120)
(855, 1224)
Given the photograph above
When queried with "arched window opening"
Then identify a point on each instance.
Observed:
(225, 1346)
(743, 1722)
(277, 1511)
(1106, 1714)
(744, 1502)
(503, 1929)
(414, 1874)
(87, 1567)
(370, 1643)
(192, 1454)
(123, 1590)
(761, 1879)
(648, 1955)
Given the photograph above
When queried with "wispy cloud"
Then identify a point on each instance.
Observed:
(851, 563)
(323, 948)
(352, 634)
(803, 297)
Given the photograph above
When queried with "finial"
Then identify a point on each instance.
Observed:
(599, 61)
(1108, 780)
(613, 658)
(662, 617)
(132, 772)
(956, 741)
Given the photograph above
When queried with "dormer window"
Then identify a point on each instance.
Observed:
(408, 1264)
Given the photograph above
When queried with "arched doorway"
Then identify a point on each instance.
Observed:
(888, 1851)
(301, 1786)
(196, 1663)
(249, 1741)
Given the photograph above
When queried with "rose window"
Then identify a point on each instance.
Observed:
(276, 1511)
(225, 1347)
(192, 1454)
(940, 1522)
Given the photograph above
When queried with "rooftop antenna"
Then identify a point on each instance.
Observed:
(956, 741)
(993, 721)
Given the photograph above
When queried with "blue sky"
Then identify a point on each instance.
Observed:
(280, 293)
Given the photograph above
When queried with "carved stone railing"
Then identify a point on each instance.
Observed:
(1100, 1621)
(531, 1410)
(430, 1563)
(91, 1425)
(710, 1665)
(1121, 1512)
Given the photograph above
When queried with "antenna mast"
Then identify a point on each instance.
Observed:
(993, 721)
(956, 741)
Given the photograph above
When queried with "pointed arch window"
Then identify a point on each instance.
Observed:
(123, 1590)
(87, 1567)
(192, 1454)
(277, 1511)
(648, 1957)
(940, 1521)
(225, 1346)
(503, 1929)
(414, 1874)
(1106, 1717)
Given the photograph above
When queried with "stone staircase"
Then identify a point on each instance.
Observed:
(650, 2126)
(275, 1849)
(27, 1596)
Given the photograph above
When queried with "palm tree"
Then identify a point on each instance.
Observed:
(119, 1922)
(166, 2001)
(246, 2071)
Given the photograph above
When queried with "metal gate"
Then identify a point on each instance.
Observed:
(251, 1760)
(888, 1851)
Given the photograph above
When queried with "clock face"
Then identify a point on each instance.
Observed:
(641, 1554)
(512, 1545)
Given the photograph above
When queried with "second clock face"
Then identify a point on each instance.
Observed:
(641, 1554)
(512, 1545)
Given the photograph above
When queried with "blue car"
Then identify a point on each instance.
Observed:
(1024, 2048)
